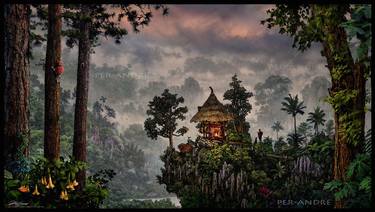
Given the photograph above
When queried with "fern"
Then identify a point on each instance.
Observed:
(365, 184)
(368, 142)
(333, 185)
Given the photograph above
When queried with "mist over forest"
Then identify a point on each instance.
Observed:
(193, 48)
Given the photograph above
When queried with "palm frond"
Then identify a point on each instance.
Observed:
(367, 145)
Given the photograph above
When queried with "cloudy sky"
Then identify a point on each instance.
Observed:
(211, 43)
(194, 47)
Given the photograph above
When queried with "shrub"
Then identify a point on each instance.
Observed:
(52, 184)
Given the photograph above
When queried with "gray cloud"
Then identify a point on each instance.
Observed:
(204, 64)
(153, 88)
(190, 90)
(207, 42)
(314, 93)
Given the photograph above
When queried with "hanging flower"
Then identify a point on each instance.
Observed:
(70, 186)
(64, 195)
(44, 181)
(50, 184)
(75, 183)
(36, 192)
(24, 189)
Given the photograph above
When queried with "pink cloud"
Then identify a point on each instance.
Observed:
(180, 19)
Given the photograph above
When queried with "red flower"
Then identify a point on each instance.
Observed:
(264, 191)
(59, 69)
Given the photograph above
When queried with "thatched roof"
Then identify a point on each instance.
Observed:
(212, 111)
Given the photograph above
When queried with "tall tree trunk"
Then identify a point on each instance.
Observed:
(52, 85)
(80, 113)
(295, 125)
(3, 145)
(277, 135)
(171, 140)
(16, 79)
(352, 80)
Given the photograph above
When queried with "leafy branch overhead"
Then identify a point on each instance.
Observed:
(108, 20)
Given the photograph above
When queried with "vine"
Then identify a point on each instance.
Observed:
(340, 100)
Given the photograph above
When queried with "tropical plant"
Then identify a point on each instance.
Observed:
(357, 188)
(295, 141)
(214, 158)
(267, 145)
(367, 147)
(359, 26)
(332, 25)
(304, 129)
(277, 127)
(318, 146)
(280, 145)
(95, 190)
(316, 118)
(49, 183)
(52, 184)
(293, 107)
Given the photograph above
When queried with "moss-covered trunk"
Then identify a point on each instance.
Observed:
(16, 78)
(347, 96)
(52, 84)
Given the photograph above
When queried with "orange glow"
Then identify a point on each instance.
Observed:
(215, 131)
(24, 189)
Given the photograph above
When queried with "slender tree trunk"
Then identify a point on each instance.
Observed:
(295, 125)
(352, 79)
(52, 85)
(277, 135)
(15, 80)
(171, 140)
(80, 114)
(3, 145)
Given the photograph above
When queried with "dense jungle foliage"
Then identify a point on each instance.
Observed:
(295, 171)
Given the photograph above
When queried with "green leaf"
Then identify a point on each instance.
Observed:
(8, 174)
(343, 193)
(14, 194)
(12, 183)
(365, 184)
(359, 166)
(330, 186)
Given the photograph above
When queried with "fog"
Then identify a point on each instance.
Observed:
(168, 54)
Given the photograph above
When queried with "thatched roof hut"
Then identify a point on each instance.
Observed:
(212, 111)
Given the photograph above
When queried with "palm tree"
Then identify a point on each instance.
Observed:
(317, 118)
(293, 106)
(277, 127)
